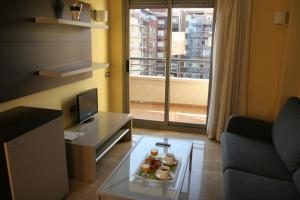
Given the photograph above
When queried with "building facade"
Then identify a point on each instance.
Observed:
(191, 42)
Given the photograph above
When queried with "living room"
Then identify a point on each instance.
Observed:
(252, 71)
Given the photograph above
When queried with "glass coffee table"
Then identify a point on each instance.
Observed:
(124, 183)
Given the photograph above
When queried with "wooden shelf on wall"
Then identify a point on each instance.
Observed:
(99, 26)
(49, 20)
(98, 65)
(70, 70)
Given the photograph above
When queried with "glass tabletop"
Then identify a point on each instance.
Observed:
(124, 181)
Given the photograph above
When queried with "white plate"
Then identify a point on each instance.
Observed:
(171, 176)
(175, 162)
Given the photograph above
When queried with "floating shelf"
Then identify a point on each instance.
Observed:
(70, 70)
(48, 20)
(99, 26)
(97, 65)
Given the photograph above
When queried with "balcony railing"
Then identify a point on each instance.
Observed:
(188, 99)
(181, 68)
(173, 59)
(183, 91)
(188, 90)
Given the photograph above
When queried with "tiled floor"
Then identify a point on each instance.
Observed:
(178, 113)
(206, 181)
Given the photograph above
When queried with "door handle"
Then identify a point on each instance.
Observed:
(127, 66)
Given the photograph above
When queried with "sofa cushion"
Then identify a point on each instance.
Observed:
(296, 179)
(244, 186)
(286, 134)
(254, 156)
(249, 127)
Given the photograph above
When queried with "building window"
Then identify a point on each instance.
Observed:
(161, 22)
(160, 44)
(161, 33)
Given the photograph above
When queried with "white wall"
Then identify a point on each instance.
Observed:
(182, 90)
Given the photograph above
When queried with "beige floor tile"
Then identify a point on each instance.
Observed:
(178, 113)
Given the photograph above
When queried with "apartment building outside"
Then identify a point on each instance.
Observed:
(191, 42)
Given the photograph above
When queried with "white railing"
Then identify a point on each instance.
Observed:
(186, 91)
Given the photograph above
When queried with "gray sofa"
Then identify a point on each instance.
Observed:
(261, 160)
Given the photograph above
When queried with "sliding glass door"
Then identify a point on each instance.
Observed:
(169, 54)
(190, 64)
(147, 64)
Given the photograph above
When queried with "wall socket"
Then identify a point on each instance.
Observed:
(280, 18)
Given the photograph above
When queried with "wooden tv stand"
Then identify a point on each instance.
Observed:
(100, 135)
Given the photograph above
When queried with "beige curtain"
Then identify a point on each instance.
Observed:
(230, 64)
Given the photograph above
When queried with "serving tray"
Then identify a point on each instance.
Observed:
(173, 168)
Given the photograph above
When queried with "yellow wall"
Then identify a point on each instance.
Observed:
(266, 57)
(291, 64)
(116, 53)
(272, 76)
(64, 96)
(273, 73)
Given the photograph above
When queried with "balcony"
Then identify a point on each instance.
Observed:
(188, 98)
(188, 61)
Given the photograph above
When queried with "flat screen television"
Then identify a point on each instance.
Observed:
(87, 105)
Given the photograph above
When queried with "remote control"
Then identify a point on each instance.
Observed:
(162, 144)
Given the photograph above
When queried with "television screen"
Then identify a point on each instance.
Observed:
(87, 104)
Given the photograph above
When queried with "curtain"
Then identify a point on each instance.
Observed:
(230, 64)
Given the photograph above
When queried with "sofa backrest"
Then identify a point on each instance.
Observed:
(286, 134)
(296, 179)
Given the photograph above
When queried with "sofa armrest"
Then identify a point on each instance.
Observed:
(250, 127)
